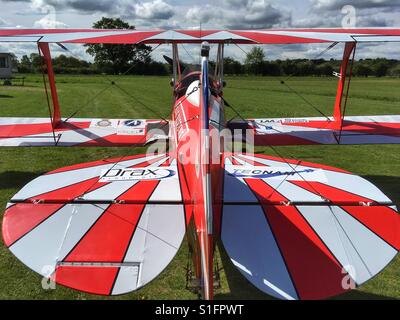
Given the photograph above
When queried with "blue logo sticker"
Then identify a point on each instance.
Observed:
(132, 123)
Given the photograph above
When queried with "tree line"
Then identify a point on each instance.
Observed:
(63, 64)
(256, 64)
(135, 59)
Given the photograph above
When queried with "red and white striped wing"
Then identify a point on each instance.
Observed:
(102, 237)
(309, 235)
(17, 132)
(267, 36)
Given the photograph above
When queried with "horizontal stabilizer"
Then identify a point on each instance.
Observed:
(299, 230)
(100, 236)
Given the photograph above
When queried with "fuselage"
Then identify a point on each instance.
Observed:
(196, 117)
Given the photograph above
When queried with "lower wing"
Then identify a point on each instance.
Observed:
(309, 131)
(107, 227)
(15, 132)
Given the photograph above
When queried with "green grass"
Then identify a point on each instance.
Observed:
(253, 97)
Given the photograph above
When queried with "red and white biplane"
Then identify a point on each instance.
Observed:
(295, 230)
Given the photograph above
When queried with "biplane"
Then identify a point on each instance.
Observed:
(294, 229)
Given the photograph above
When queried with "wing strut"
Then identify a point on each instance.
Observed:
(56, 115)
(338, 110)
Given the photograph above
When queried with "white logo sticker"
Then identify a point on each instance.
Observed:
(126, 174)
(104, 123)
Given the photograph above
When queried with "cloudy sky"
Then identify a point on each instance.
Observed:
(235, 14)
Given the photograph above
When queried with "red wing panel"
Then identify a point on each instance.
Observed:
(21, 218)
(90, 279)
(305, 254)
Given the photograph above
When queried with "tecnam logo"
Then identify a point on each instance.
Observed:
(125, 174)
(265, 172)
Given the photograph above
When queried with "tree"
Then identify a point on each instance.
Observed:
(37, 63)
(232, 66)
(25, 65)
(395, 71)
(113, 58)
(272, 68)
(14, 62)
(381, 68)
(254, 60)
(71, 65)
(362, 70)
(324, 69)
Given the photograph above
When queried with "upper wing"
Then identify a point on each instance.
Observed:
(306, 131)
(91, 229)
(81, 132)
(268, 36)
(299, 230)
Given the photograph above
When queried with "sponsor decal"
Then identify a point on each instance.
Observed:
(132, 123)
(180, 121)
(104, 123)
(264, 127)
(282, 121)
(126, 174)
(261, 172)
(131, 127)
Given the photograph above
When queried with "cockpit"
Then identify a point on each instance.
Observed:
(182, 86)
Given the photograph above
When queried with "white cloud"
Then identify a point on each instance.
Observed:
(157, 9)
(49, 22)
(243, 14)
(359, 4)
(202, 14)
(235, 14)
(368, 13)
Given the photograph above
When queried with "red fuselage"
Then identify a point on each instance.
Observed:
(199, 174)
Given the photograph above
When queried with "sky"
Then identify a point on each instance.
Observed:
(222, 14)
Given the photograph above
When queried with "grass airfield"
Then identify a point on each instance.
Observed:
(97, 97)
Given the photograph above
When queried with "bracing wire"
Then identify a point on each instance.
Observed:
(111, 84)
(283, 81)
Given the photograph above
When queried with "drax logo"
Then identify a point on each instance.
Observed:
(125, 174)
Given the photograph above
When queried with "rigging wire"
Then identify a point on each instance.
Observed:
(188, 53)
(112, 83)
(293, 168)
(283, 81)
(196, 88)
